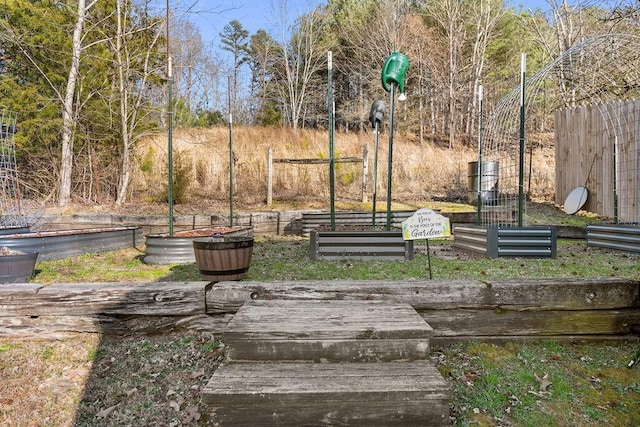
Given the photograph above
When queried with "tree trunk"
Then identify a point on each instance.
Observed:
(123, 95)
(68, 125)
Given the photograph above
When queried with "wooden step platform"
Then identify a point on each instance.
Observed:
(373, 368)
(353, 394)
(321, 331)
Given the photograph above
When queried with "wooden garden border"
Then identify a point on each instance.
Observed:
(565, 309)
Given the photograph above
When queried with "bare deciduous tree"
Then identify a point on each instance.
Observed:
(134, 65)
(303, 55)
(68, 107)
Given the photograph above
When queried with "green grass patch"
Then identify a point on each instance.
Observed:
(541, 384)
(279, 258)
(7, 346)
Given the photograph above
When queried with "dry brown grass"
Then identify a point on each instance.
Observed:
(421, 172)
(93, 380)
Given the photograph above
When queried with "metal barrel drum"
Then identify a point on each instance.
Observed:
(488, 182)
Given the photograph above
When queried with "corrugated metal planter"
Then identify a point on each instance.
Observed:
(17, 267)
(504, 242)
(623, 237)
(313, 220)
(226, 258)
(68, 243)
(363, 245)
(178, 249)
(13, 230)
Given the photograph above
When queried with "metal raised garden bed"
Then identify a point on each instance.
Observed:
(362, 245)
(68, 243)
(624, 237)
(499, 242)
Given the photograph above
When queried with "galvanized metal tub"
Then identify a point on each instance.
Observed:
(68, 243)
(163, 249)
(17, 268)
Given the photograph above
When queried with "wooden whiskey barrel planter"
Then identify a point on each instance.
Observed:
(223, 260)
(17, 268)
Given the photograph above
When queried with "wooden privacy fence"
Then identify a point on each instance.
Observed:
(319, 161)
(598, 147)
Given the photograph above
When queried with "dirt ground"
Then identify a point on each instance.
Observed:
(94, 380)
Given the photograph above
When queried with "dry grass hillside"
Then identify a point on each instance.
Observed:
(421, 172)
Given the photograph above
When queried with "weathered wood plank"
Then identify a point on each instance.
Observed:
(566, 293)
(328, 350)
(328, 319)
(162, 298)
(589, 298)
(524, 339)
(335, 331)
(229, 296)
(57, 326)
(294, 394)
(524, 294)
(492, 323)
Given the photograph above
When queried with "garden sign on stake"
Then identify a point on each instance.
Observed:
(426, 224)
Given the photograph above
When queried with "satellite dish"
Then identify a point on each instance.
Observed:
(575, 200)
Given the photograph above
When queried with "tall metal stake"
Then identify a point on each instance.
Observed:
(375, 175)
(331, 108)
(393, 71)
(375, 117)
(479, 199)
(523, 70)
(390, 163)
(170, 132)
(230, 154)
(170, 152)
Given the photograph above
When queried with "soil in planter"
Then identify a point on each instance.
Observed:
(343, 227)
(202, 232)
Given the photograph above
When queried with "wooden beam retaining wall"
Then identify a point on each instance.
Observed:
(492, 310)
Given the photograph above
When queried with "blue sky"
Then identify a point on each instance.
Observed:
(257, 14)
(212, 15)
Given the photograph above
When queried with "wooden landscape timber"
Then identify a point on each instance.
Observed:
(498, 310)
(390, 394)
(327, 331)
